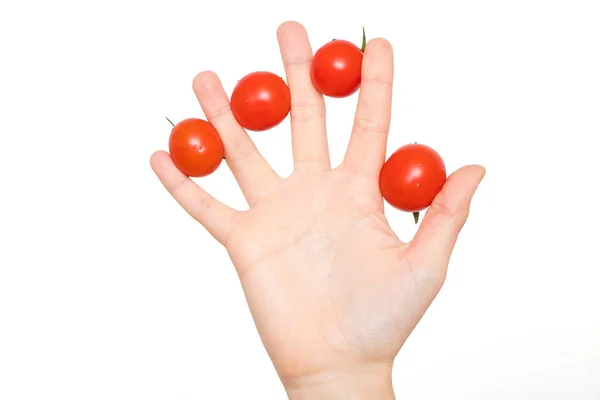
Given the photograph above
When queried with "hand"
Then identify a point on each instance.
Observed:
(334, 293)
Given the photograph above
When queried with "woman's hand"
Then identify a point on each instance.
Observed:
(333, 291)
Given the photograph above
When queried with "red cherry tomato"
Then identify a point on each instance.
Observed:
(196, 147)
(412, 177)
(336, 68)
(260, 101)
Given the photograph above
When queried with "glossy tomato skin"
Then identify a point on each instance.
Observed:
(195, 147)
(412, 177)
(260, 101)
(336, 68)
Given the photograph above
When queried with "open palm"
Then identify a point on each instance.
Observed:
(331, 288)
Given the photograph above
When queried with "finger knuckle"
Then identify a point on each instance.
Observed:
(368, 125)
(301, 112)
(177, 185)
(206, 201)
(297, 61)
(441, 209)
(218, 112)
(377, 79)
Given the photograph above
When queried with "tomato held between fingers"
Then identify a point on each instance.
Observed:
(260, 101)
(195, 147)
(336, 68)
(412, 177)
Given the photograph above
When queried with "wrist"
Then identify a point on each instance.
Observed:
(368, 383)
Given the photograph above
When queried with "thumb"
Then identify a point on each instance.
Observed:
(434, 241)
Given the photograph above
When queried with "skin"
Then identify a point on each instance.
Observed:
(334, 293)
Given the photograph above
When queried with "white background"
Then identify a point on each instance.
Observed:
(109, 291)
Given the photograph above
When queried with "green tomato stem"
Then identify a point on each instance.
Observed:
(170, 122)
(416, 217)
(364, 41)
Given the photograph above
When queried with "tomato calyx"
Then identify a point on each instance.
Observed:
(364, 41)
(416, 217)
